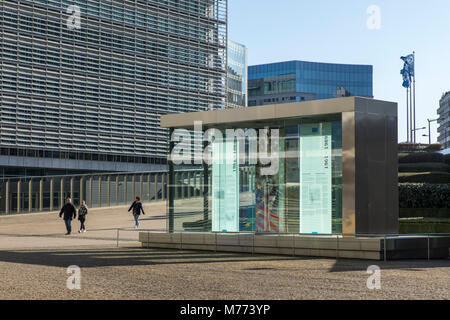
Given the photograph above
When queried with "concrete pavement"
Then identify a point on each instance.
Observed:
(35, 254)
(46, 230)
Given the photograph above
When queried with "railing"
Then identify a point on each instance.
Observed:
(47, 193)
(385, 237)
(30, 194)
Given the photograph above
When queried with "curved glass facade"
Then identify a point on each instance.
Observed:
(299, 81)
(237, 75)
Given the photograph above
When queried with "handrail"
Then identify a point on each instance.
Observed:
(96, 174)
(383, 249)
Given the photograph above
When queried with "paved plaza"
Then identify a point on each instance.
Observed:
(35, 254)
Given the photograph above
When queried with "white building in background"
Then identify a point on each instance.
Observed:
(444, 122)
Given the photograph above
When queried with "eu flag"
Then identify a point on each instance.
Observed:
(409, 64)
(406, 78)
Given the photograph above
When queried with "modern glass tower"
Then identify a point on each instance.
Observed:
(89, 99)
(237, 75)
(295, 81)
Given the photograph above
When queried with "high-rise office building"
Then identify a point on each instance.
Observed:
(294, 81)
(444, 122)
(237, 75)
(88, 97)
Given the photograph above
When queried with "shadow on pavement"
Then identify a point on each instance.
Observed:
(90, 258)
(344, 265)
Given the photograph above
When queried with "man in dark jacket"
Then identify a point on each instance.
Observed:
(137, 208)
(70, 212)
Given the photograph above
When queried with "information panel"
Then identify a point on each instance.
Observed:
(315, 178)
(225, 186)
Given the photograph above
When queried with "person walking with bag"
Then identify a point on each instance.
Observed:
(137, 208)
(82, 212)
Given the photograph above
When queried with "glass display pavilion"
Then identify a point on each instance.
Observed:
(316, 167)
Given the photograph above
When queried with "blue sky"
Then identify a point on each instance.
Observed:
(336, 31)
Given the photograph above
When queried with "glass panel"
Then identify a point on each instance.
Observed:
(315, 178)
(45, 195)
(94, 193)
(130, 196)
(104, 192)
(121, 194)
(225, 186)
(2, 196)
(113, 185)
(269, 186)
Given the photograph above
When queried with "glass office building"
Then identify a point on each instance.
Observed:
(89, 99)
(295, 81)
(237, 75)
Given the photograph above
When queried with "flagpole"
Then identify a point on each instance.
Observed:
(414, 89)
(408, 133)
(411, 126)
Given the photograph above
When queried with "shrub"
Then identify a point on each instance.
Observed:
(418, 147)
(420, 157)
(429, 177)
(433, 147)
(436, 213)
(424, 195)
(423, 227)
(424, 167)
(447, 159)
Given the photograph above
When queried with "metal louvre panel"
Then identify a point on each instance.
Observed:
(129, 60)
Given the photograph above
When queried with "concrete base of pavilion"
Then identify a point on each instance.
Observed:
(367, 248)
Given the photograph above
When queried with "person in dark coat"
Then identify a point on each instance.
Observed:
(137, 208)
(70, 212)
(82, 212)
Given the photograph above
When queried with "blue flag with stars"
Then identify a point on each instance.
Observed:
(409, 64)
(406, 78)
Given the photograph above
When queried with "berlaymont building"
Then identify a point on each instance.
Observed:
(88, 97)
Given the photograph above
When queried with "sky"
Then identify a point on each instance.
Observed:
(337, 32)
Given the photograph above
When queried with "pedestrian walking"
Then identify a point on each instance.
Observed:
(82, 212)
(137, 208)
(70, 212)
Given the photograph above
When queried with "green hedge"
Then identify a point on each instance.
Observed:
(424, 167)
(438, 213)
(417, 157)
(423, 227)
(424, 195)
(428, 177)
(447, 159)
